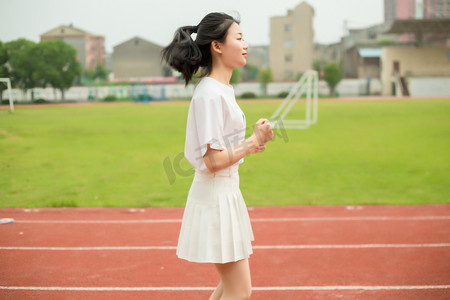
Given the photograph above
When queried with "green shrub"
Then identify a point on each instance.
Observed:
(332, 75)
(6, 101)
(110, 98)
(283, 94)
(40, 101)
(248, 95)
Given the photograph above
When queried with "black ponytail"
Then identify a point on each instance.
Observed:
(183, 54)
(186, 55)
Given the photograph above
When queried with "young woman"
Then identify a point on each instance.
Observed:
(216, 227)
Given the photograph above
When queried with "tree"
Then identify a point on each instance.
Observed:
(235, 76)
(264, 77)
(100, 72)
(23, 63)
(4, 71)
(88, 76)
(317, 65)
(250, 72)
(58, 64)
(332, 75)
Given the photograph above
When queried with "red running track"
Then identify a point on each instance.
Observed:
(300, 252)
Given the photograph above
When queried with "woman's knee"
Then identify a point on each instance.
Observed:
(240, 291)
(241, 295)
(247, 293)
(243, 291)
(235, 278)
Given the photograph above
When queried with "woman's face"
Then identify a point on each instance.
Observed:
(234, 50)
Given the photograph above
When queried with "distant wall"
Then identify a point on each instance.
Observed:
(415, 62)
(347, 87)
(429, 86)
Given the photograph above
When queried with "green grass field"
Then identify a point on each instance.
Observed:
(360, 152)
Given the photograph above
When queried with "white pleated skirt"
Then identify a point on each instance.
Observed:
(216, 226)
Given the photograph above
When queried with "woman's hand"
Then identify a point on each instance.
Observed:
(216, 160)
(263, 131)
(257, 148)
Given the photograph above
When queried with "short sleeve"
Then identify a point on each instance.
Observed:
(209, 121)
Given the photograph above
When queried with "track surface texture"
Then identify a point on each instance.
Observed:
(300, 252)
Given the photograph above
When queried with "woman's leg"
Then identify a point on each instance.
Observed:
(235, 280)
(217, 294)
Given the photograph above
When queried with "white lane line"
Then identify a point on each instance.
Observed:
(271, 247)
(91, 248)
(201, 288)
(303, 219)
(351, 287)
(358, 246)
(100, 221)
(366, 218)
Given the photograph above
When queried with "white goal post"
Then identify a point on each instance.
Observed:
(309, 84)
(11, 102)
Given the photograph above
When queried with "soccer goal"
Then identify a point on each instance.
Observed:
(309, 85)
(11, 102)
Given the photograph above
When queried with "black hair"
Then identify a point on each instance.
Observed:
(186, 55)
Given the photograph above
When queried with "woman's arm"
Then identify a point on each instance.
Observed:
(216, 160)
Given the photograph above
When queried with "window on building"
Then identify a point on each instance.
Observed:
(288, 28)
(288, 43)
(288, 58)
(136, 42)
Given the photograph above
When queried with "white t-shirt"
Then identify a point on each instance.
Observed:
(214, 118)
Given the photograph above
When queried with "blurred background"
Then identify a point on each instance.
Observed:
(110, 51)
(90, 52)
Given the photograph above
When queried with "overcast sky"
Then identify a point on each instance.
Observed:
(156, 20)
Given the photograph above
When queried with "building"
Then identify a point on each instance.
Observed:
(416, 9)
(419, 68)
(325, 54)
(436, 9)
(291, 43)
(399, 9)
(108, 61)
(258, 56)
(361, 50)
(138, 58)
(258, 59)
(90, 47)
